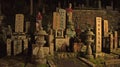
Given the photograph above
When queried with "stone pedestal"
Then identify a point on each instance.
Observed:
(89, 41)
(17, 47)
(89, 52)
(40, 56)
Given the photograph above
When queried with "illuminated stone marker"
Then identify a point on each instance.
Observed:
(105, 30)
(19, 23)
(98, 45)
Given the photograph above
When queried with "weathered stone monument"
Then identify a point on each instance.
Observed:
(98, 44)
(70, 31)
(56, 23)
(56, 20)
(62, 13)
(105, 28)
(19, 39)
(19, 23)
(62, 23)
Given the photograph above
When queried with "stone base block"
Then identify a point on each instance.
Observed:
(89, 56)
(97, 55)
(41, 61)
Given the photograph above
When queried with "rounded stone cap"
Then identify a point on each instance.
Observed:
(90, 33)
(41, 32)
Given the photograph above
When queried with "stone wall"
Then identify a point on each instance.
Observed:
(88, 16)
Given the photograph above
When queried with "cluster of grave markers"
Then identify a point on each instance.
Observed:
(105, 40)
(18, 41)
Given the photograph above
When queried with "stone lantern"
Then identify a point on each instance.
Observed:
(89, 41)
(40, 41)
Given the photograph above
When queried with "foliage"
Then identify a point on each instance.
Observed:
(42, 65)
(98, 61)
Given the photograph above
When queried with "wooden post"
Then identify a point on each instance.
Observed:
(99, 4)
(115, 40)
(31, 7)
(111, 42)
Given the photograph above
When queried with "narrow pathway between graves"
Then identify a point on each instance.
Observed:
(71, 62)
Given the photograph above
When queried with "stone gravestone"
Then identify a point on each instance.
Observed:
(8, 47)
(56, 20)
(105, 24)
(19, 23)
(62, 13)
(62, 23)
(98, 45)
